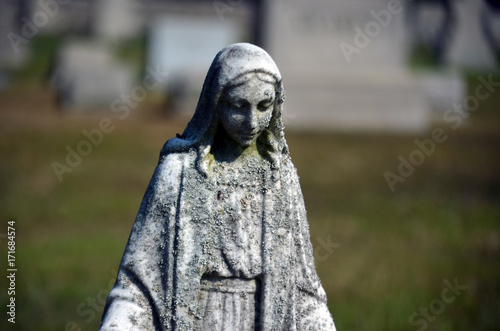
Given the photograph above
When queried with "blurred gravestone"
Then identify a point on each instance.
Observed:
(117, 19)
(443, 89)
(13, 53)
(86, 76)
(469, 43)
(343, 65)
(184, 47)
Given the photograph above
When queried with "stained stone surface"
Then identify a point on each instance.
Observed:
(221, 240)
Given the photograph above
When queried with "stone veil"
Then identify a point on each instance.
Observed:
(187, 228)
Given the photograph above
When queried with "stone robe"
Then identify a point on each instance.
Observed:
(175, 241)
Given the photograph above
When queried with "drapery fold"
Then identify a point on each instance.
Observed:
(169, 251)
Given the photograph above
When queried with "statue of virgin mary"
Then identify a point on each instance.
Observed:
(221, 240)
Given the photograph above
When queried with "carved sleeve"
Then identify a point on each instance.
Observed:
(142, 296)
(311, 297)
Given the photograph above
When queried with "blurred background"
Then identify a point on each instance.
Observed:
(392, 118)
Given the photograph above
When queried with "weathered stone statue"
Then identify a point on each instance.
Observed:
(221, 240)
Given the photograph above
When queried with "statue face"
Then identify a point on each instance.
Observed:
(247, 109)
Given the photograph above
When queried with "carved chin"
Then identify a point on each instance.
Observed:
(245, 140)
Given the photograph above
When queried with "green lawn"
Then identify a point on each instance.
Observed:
(391, 252)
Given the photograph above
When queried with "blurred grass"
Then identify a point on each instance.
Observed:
(396, 249)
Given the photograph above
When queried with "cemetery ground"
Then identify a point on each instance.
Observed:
(426, 256)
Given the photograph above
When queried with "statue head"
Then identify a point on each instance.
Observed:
(243, 95)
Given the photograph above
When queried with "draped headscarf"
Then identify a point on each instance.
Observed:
(231, 63)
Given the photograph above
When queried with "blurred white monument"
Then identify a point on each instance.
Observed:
(469, 47)
(183, 47)
(117, 19)
(343, 65)
(13, 53)
(86, 75)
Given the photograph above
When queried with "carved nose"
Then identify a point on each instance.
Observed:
(252, 119)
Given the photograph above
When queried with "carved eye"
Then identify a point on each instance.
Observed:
(265, 105)
(237, 104)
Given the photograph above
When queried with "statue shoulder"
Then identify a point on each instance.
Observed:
(166, 182)
(174, 163)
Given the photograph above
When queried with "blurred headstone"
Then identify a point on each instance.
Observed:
(343, 65)
(184, 47)
(11, 55)
(117, 19)
(469, 45)
(86, 75)
(443, 89)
